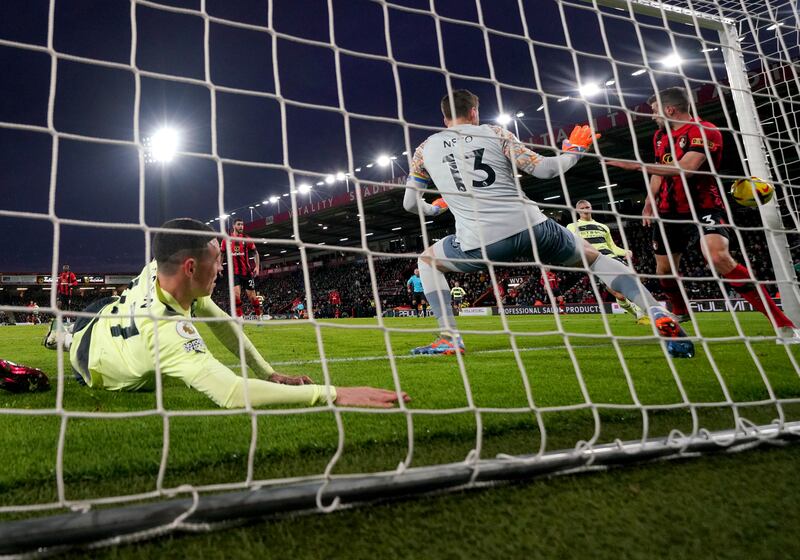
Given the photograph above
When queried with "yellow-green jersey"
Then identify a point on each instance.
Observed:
(457, 292)
(119, 348)
(598, 235)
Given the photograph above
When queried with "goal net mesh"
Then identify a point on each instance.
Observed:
(290, 113)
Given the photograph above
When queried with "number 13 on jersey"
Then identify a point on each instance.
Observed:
(478, 165)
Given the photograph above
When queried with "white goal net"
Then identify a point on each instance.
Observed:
(302, 120)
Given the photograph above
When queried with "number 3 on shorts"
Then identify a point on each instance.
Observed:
(708, 219)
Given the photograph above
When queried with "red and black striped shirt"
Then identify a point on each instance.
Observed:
(240, 254)
(674, 194)
(66, 280)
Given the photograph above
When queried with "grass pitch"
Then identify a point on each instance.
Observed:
(576, 380)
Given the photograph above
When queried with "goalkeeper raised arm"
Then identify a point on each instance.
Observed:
(118, 348)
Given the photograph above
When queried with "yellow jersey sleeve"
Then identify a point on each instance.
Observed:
(618, 251)
(228, 334)
(183, 354)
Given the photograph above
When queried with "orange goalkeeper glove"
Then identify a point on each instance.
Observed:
(440, 205)
(579, 140)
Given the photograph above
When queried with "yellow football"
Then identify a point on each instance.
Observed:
(752, 192)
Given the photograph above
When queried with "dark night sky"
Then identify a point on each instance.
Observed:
(100, 181)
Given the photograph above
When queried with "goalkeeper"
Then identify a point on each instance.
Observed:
(599, 236)
(119, 347)
(473, 167)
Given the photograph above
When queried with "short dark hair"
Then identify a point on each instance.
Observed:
(237, 220)
(171, 248)
(463, 101)
(674, 96)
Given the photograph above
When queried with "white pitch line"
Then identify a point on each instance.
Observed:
(408, 356)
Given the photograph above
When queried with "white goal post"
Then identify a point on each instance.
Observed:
(720, 16)
(107, 520)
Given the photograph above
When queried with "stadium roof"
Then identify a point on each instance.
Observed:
(338, 226)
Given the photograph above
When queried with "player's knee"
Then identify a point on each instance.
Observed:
(426, 258)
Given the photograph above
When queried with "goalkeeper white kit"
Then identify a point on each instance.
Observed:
(118, 351)
(471, 168)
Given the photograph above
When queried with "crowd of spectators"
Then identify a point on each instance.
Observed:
(350, 281)
(342, 287)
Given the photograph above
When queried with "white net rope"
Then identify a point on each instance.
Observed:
(777, 102)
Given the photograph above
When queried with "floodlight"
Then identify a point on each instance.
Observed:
(503, 119)
(329, 179)
(340, 176)
(672, 61)
(589, 89)
(519, 114)
(304, 188)
(611, 82)
(274, 199)
(383, 160)
(164, 145)
(639, 72)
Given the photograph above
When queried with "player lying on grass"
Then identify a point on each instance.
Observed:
(117, 351)
(473, 168)
(682, 180)
(599, 236)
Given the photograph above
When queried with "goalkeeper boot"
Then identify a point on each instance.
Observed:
(443, 345)
(668, 327)
(22, 379)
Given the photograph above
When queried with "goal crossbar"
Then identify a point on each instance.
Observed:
(671, 12)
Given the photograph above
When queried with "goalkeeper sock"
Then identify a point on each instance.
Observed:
(673, 292)
(621, 279)
(748, 291)
(239, 307)
(437, 292)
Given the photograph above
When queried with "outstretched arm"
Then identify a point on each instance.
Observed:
(228, 334)
(191, 362)
(540, 166)
(688, 165)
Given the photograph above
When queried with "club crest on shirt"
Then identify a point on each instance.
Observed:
(682, 142)
(186, 330)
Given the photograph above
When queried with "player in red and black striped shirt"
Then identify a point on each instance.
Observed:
(66, 282)
(684, 144)
(549, 277)
(243, 273)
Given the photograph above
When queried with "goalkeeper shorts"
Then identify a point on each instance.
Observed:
(555, 244)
